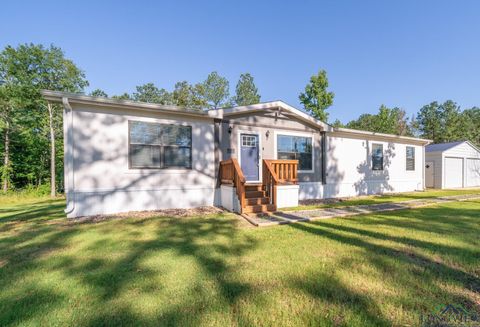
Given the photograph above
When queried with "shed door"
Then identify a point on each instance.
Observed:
(473, 172)
(429, 174)
(453, 172)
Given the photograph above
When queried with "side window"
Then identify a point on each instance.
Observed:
(377, 157)
(410, 155)
(161, 146)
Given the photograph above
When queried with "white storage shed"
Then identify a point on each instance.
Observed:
(452, 165)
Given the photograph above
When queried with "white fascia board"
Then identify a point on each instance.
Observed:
(382, 135)
(56, 96)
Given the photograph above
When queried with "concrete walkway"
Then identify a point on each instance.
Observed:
(279, 218)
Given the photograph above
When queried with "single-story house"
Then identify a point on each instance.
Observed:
(452, 165)
(126, 156)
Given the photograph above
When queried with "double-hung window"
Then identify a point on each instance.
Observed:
(410, 155)
(161, 146)
(296, 148)
(377, 156)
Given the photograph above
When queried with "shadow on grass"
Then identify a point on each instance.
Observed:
(436, 219)
(412, 261)
(20, 254)
(194, 238)
(212, 242)
(355, 307)
(458, 252)
(109, 266)
(41, 210)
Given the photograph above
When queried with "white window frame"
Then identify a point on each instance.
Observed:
(239, 149)
(414, 159)
(128, 170)
(291, 133)
(373, 143)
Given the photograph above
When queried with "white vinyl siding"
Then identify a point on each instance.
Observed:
(104, 182)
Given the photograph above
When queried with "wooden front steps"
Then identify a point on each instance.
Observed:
(256, 201)
(261, 197)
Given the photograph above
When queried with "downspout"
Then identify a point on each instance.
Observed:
(68, 155)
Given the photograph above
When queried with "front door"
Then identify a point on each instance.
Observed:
(249, 155)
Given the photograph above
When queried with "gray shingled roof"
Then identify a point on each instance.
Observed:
(442, 146)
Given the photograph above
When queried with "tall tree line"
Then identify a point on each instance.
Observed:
(31, 147)
(31, 128)
(439, 122)
(212, 93)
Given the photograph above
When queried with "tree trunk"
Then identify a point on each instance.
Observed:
(52, 152)
(6, 160)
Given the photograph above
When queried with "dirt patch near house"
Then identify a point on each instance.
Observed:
(174, 213)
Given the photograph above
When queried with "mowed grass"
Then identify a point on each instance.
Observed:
(386, 198)
(373, 270)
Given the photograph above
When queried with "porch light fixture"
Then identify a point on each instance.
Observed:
(267, 134)
(230, 129)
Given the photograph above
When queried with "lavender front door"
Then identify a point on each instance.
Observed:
(249, 156)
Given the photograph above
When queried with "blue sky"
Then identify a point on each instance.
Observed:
(397, 53)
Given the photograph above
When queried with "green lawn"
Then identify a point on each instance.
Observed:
(382, 269)
(387, 198)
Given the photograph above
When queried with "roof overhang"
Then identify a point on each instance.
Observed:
(383, 136)
(75, 98)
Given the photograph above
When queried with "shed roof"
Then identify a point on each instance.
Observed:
(440, 147)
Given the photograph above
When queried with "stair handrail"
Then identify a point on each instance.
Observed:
(286, 170)
(270, 181)
(230, 172)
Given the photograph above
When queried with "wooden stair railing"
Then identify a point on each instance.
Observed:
(256, 197)
(269, 181)
(285, 170)
(231, 173)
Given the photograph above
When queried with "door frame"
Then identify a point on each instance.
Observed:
(239, 149)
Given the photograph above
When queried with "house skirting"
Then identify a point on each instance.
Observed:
(87, 203)
(113, 201)
(317, 190)
(287, 196)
